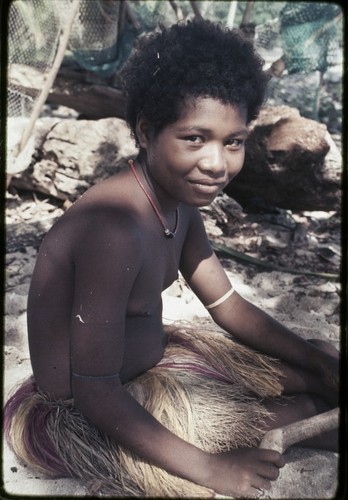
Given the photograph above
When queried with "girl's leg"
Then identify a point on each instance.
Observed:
(306, 399)
(296, 380)
(325, 346)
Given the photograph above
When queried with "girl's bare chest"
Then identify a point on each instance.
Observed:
(159, 269)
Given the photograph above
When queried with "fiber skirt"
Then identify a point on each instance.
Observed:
(207, 389)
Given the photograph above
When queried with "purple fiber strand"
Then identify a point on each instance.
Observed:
(214, 372)
(36, 439)
(39, 443)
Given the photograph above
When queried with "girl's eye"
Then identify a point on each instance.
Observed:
(195, 139)
(235, 143)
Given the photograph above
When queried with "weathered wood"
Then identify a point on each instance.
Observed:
(51, 75)
(282, 438)
(76, 154)
(90, 100)
(78, 89)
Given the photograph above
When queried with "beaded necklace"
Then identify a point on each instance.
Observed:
(167, 232)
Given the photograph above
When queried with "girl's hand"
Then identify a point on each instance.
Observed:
(244, 472)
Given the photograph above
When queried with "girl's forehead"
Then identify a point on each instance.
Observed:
(207, 109)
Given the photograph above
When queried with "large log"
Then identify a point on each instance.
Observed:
(93, 101)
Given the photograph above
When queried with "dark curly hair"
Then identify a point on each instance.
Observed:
(190, 60)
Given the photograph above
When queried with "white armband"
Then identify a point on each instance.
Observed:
(221, 299)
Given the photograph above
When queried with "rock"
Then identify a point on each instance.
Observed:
(291, 162)
(293, 134)
(76, 154)
(24, 235)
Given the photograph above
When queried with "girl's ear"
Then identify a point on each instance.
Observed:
(143, 132)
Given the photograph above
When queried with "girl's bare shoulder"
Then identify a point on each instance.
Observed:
(106, 209)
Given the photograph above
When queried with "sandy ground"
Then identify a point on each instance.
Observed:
(310, 306)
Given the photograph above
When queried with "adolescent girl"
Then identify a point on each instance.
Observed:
(116, 399)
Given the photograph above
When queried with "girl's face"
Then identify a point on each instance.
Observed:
(193, 159)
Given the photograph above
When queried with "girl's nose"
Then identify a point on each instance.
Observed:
(214, 160)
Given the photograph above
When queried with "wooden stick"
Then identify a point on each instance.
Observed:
(247, 12)
(231, 14)
(282, 438)
(177, 10)
(51, 75)
(195, 9)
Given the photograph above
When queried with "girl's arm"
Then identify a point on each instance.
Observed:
(106, 269)
(246, 322)
(114, 411)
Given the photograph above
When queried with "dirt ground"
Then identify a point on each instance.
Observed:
(306, 298)
(307, 304)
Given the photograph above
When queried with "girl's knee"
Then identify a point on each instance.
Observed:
(294, 408)
(311, 404)
(325, 346)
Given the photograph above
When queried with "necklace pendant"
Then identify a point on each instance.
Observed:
(168, 233)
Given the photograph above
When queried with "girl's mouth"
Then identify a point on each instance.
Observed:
(206, 188)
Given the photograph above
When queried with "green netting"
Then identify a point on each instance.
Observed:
(34, 28)
(309, 36)
(98, 41)
(101, 42)
(103, 33)
(32, 43)
(95, 42)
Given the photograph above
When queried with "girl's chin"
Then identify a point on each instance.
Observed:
(202, 202)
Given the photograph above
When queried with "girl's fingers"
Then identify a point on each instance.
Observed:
(269, 471)
(272, 456)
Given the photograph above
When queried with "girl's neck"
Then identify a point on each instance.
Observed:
(168, 232)
(166, 202)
